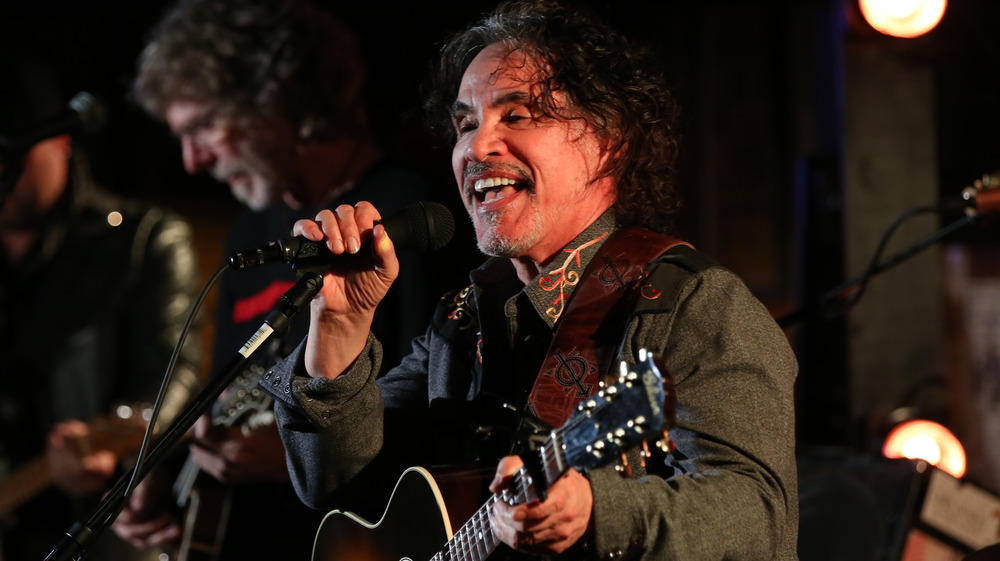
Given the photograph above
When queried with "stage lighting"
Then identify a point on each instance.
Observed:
(919, 439)
(903, 18)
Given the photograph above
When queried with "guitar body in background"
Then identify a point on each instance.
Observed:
(206, 502)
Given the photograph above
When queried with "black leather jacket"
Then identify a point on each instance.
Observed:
(90, 317)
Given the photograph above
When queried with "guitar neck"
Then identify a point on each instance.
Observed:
(475, 540)
(23, 484)
(637, 409)
(120, 433)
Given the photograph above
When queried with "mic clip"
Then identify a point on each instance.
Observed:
(982, 196)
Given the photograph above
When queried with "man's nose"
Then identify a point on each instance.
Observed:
(196, 158)
(486, 141)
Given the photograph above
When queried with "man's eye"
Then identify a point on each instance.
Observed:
(517, 116)
(464, 125)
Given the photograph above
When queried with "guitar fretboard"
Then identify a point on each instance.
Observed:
(475, 540)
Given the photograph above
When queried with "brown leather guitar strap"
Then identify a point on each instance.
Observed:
(592, 325)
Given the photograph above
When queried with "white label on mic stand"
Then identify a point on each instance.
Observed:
(262, 334)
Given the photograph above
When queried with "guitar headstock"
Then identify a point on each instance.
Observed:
(243, 400)
(637, 409)
(120, 431)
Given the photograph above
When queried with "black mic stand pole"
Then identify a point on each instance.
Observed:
(844, 288)
(75, 541)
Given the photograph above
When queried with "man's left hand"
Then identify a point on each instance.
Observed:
(547, 527)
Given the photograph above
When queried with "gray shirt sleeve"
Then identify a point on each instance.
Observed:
(331, 429)
(732, 490)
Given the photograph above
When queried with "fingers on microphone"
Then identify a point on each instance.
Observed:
(349, 229)
(344, 228)
(329, 225)
(365, 216)
(383, 245)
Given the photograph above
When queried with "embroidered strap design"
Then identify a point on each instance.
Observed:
(593, 321)
(566, 276)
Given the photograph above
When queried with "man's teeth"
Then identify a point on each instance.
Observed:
(491, 182)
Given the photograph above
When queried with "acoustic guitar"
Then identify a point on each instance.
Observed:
(416, 525)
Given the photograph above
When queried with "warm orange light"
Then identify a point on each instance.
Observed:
(903, 18)
(928, 441)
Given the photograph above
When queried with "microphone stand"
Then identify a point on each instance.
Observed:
(76, 539)
(845, 288)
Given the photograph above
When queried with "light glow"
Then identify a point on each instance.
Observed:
(927, 441)
(903, 18)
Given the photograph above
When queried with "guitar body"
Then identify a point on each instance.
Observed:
(205, 519)
(207, 502)
(414, 527)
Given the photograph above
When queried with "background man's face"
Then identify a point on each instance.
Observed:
(257, 162)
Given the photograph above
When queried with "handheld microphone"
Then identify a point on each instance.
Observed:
(84, 113)
(423, 226)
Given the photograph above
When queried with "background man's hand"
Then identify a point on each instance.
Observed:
(77, 475)
(148, 518)
(231, 456)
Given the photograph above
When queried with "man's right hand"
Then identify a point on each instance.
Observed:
(342, 313)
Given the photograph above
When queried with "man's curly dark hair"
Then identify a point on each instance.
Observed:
(610, 82)
(256, 59)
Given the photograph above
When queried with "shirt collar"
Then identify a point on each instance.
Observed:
(550, 291)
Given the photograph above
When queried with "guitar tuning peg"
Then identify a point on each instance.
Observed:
(644, 454)
(665, 444)
(624, 467)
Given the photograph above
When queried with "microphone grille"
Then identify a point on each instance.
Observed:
(424, 226)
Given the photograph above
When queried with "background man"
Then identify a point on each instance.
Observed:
(563, 155)
(73, 351)
(266, 95)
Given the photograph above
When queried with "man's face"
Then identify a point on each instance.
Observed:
(528, 181)
(257, 162)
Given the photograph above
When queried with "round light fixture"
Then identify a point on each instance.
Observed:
(928, 441)
(903, 18)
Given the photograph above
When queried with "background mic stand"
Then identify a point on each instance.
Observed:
(837, 300)
(76, 539)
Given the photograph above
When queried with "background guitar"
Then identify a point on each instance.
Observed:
(119, 432)
(417, 525)
(206, 502)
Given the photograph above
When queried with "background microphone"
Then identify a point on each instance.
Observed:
(424, 226)
(84, 113)
(982, 197)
